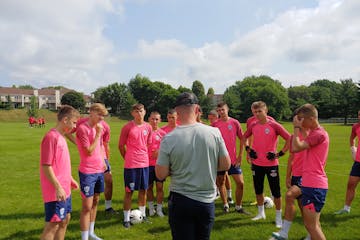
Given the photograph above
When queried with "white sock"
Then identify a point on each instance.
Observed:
(347, 208)
(229, 193)
(126, 216)
(151, 204)
(285, 228)
(238, 207)
(143, 210)
(159, 207)
(91, 228)
(261, 210)
(278, 213)
(84, 235)
(226, 205)
(107, 204)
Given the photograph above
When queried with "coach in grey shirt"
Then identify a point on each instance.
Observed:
(191, 154)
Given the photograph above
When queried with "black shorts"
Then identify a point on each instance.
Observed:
(272, 174)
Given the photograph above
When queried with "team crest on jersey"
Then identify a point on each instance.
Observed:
(145, 132)
(230, 127)
(62, 211)
(86, 190)
(267, 130)
(157, 137)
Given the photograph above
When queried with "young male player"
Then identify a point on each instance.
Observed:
(55, 175)
(153, 150)
(314, 180)
(264, 158)
(133, 146)
(91, 168)
(230, 130)
(354, 177)
(172, 121)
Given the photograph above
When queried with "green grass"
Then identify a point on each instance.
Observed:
(22, 214)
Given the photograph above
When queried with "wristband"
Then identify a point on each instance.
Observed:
(247, 148)
(281, 153)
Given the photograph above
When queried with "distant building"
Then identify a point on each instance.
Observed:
(217, 98)
(48, 98)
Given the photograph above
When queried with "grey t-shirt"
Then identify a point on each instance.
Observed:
(192, 153)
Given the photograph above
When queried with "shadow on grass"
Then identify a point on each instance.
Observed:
(19, 216)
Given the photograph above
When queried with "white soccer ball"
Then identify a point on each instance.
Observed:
(136, 216)
(268, 202)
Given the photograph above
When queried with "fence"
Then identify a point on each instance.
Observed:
(339, 120)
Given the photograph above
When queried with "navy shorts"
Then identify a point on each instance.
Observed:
(136, 179)
(108, 167)
(296, 180)
(232, 171)
(91, 184)
(355, 170)
(313, 198)
(56, 211)
(272, 174)
(152, 176)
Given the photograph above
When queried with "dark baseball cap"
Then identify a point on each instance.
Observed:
(186, 98)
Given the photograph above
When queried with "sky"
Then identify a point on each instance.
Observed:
(87, 44)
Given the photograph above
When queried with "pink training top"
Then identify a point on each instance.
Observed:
(85, 136)
(136, 138)
(230, 129)
(105, 136)
(314, 175)
(167, 128)
(355, 131)
(253, 119)
(55, 153)
(265, 140)
(298, 159)
(156, 137)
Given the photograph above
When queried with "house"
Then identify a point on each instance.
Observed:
(48, 98)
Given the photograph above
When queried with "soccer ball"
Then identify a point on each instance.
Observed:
(268, 202)
(136, 216)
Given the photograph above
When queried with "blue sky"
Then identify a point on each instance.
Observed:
(86, 44)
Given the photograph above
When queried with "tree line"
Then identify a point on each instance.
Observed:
(333, 99)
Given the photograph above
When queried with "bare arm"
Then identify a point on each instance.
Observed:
(122, 150)
(298, 145)
(288, 170)
(89, 150)
(224, 163)
(50, 175)
(162, 171)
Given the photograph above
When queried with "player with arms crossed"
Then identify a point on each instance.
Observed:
(264, 158)
(172, 121)
(354, 177)
(133, 146)
(153, 149)
(314, 180)
(55, 175)
(91, 168)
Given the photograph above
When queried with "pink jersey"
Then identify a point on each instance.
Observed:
(253, 119)
(314, 175)
(297, 162)
(85, 136)
(155, 145)
(136, 138)
(105, 136)
(265, 140)
(230, 129)
(55, 153)
(355, 131)
(167, 128)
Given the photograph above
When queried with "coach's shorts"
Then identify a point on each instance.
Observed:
(355, 170)
(296, 180)
(272, 174)
(152, 176)
(136, 179)
(313, 198)
(91, 184)
(108, 167)
(56, 211)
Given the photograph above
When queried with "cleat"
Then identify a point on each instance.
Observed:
(253, 203)
(276, 236)
(230, 200)
(258, 217)
(278, 222)
(94, 237)
(242, 211)
(341, 211)
(111, 211)
(146, 220)
(226, 209)
(126, 224)
(160, 214)
(152, 212)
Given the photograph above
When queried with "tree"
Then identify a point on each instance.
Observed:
(117, 97)
(198, 89)
(74, 99)
(298, 96)
(182, 89)
(347, 98)
(240, 96)
(33, 109)
(26, 87)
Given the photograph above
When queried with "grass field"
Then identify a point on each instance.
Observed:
(21, 208)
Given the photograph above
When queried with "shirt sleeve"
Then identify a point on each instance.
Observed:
(164, 156)
(315, 139)
(48, 146)
(124, 135)
(82, 137)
